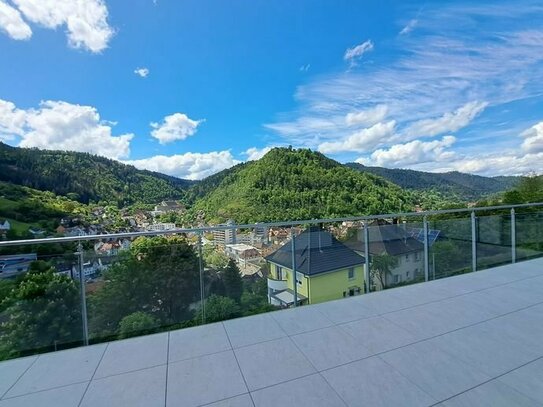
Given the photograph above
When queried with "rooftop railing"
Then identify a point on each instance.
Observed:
(63, 292)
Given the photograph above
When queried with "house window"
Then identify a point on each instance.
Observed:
(299, 277)
(407, 257)
(279, 271)
(417, 256)
(407, 274)
(396, 279)
(351, 273)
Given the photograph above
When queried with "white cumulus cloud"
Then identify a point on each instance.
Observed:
(414, 152)
(191, 166)
(143, 72)
(58, 125)
(449, 122)
(367, 117)
(12, 23)
(533, 139)
(177, 126)
(255, 153)
(361, 141)
(12, 120)
(358, 51)
(85, 20)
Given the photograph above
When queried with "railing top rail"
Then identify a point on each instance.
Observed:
(260, 224)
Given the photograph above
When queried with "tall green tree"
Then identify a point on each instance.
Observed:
(43, 313)
(159, 276)
(231, 278)
(381, 266)
(219, 308)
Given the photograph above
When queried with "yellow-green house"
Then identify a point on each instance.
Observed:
(326, 270)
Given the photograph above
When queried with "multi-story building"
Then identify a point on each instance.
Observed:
(225, 236)
(326, 269)
(396, 241)
(161, 226)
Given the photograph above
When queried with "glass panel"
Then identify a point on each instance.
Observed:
(396, 251)
(493, 241)
(40, 302)
(529, 234)
(151, 284)
(450, 246)
(237, 274)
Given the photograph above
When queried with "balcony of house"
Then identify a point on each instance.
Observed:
(160, 325)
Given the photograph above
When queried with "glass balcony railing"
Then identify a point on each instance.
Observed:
(66, 292)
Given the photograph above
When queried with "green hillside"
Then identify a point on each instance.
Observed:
(467, 187)
(295, 184)
(26, 207)
(86, 177)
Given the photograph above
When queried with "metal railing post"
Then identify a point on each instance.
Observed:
(83, 294)
(473, 242)
(202, 289)
(367, 255)
(513, 237)
(294, 277)
(426, 248)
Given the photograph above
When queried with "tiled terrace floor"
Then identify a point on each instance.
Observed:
(470, 340)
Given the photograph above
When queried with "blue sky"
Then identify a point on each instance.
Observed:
(190, 88)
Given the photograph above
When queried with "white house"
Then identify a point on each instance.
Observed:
(4, 225)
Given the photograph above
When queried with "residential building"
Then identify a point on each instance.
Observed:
(225, 236)
(396, 240)
(4, 225)
(167, 207)
(326, 269)
(242, 253)
(161, 226)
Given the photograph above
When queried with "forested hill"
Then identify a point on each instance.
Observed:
(295, 184)
(463, 186)
(86, 177)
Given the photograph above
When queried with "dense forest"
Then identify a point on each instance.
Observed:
(296, 184)
(455, 185)
(85, 177)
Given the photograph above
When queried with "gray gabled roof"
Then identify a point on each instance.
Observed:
(317, 252)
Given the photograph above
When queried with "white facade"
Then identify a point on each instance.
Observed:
(5, 225)
(161, 226)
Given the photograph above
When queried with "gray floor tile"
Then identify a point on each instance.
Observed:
(204, 380)
(330, 347)
(133, 354)
(301, 319)
(144, 388)
(421, 321)
(371, 382)
(517, 295)
(418, 294)
(198, 341)
(485, 348)
(378, 334)
(273, 362)
(528, 380)
(239, 401)
(345, 310)
(382, 302)
(438, 373)
(11, 370)
(308, 391)
(491, 394)
(524, 327)
(253, 329)
(59, 369)
(68, 396)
